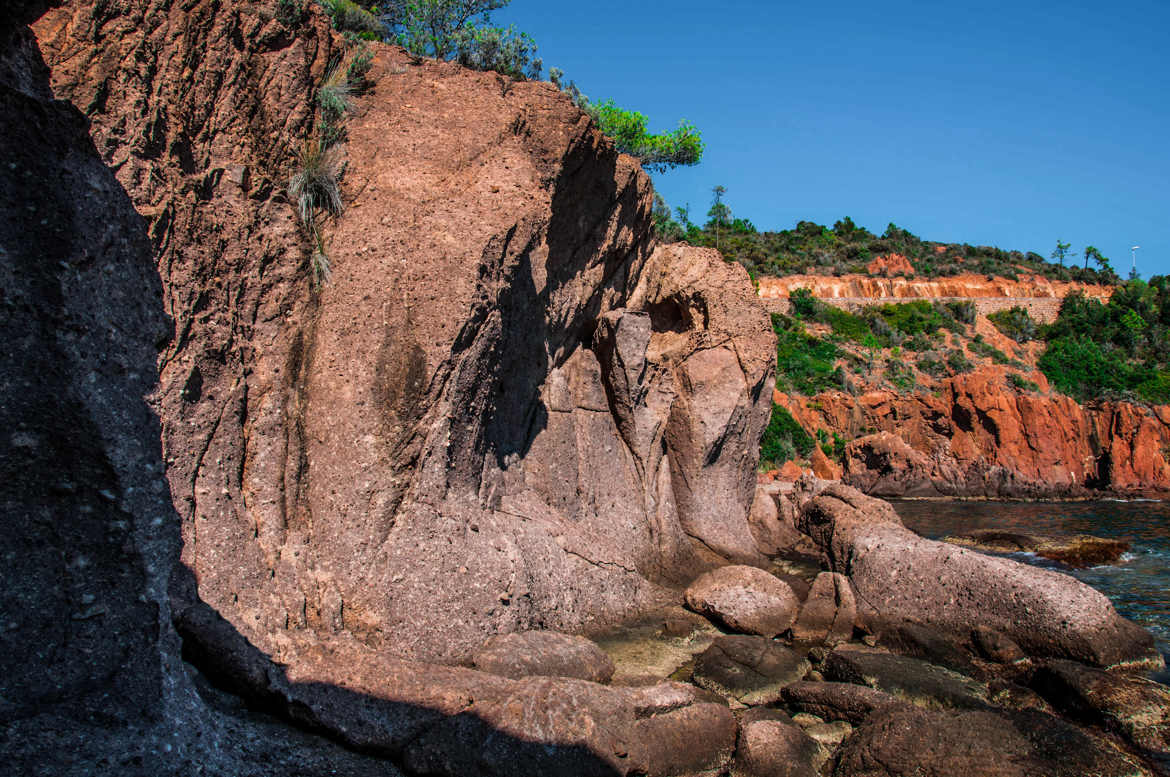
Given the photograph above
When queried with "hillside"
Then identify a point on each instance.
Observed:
(972, 395)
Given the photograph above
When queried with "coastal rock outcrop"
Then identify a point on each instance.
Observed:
(506, 410)
(898, 576)
(974, 436)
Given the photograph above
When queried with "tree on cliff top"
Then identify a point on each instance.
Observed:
(459, 30)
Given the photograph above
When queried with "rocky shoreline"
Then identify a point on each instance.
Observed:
(257, 525)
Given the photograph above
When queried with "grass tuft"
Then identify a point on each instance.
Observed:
(316, 184)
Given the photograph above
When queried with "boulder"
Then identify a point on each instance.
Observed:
(752, 670)
(910, 679)
(907, 741)
(1137, 708)
(744, 599)
(828, 613)
(546, 653)
(1078, 550)
(775, 748)
(898, 576)
(836, 701)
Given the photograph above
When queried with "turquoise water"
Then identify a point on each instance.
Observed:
(1138, 585)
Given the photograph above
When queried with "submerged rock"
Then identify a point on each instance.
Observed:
(751, 670)
(744, 599)
(1079, 550)
(1135, 707)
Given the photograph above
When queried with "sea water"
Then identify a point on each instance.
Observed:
(1138, 584)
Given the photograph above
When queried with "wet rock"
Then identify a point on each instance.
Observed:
(752, 670)
(910, 679)
(829, 612)
(744, 599)
(1135, 707)
(898, 576)
(830, 735)
(907, 741)
(546, 653)
(1079, 550)
(663, 645)
(836, 701)
(776, 748)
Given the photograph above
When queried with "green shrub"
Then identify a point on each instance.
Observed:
(912, 318)
(900, 375)
(932, 366)
(962, 311)
(958, 362)
(348, 16)
(1155, 389)
(784, 439)
(291, 13)
(1081, 368)
(628, 129)
(805, 364)
(1015, 323)
(499, 50)
(804, 304)
(845, 324)
(1020, 382)
(918, 343)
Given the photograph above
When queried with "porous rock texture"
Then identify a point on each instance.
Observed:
(504, 411)
(898, 576)
(507, 410)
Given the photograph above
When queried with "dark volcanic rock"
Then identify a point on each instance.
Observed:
(547, 653)
(907, 741)
(751, 670)
(1136, 707)
(906, 678)
(898, 576)
(744, 599)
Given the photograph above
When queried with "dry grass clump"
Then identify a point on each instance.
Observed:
(316, 185)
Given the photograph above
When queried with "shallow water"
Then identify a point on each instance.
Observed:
(1138, 585)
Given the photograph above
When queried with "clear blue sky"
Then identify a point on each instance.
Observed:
(993, 123)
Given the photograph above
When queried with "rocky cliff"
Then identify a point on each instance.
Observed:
(969, 286)
(506, 410)
(977, 435)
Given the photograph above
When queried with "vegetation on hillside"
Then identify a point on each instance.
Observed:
(847, 248)
(1117, 349)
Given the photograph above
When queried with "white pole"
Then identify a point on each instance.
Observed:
(1133, 252)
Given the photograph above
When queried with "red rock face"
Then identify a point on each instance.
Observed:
(506, 410)
(974, 436)
(891, 264)
(958, 286)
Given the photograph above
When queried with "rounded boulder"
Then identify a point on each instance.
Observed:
(744, 599)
